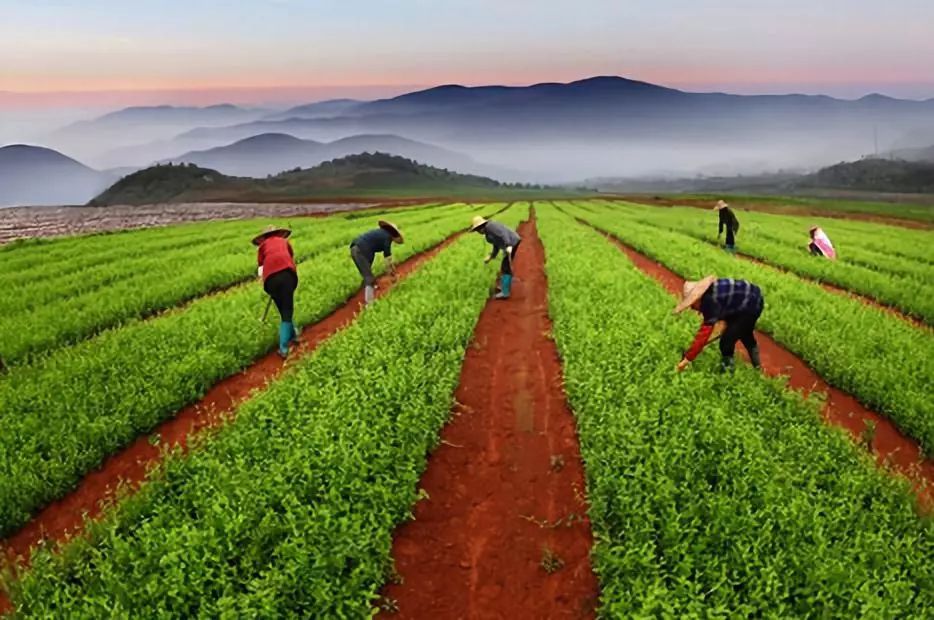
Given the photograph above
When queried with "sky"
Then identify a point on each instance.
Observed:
(92, 53)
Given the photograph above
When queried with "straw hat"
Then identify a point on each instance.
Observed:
(392, 229)
(693, 291)
(478, 221)
(813, 228)
(720, 205)
(270, 231)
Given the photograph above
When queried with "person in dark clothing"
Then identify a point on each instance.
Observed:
(502, 239)
(729, 222)
(363, 251)
(729, 306)
(280, 279)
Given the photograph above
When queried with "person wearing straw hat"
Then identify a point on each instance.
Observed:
(729, 222)
(820, 244)
(733, 306)
(501, 238)
(280, 279)
(363, 251)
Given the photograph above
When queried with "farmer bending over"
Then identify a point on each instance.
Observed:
(729, 222)
(501, 238)
(737, 303)
(280, 279)
(820, 244)
(364, 248)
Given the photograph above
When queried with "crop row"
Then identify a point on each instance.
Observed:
(288, 510)
(60, 417)
(51, 312)
(881, 239)
(898, 282)
(891, 249)
(883, 361)
(713, 495)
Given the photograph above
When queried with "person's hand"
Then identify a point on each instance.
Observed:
(259, 272)
(487, 259)
(682, 365)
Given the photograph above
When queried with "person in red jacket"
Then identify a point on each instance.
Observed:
(276, 262)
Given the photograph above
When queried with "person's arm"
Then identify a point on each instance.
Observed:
(493, 254)
(260, 257)
(720, 229)
(289, 245)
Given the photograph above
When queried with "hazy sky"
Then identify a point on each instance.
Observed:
(266, 50)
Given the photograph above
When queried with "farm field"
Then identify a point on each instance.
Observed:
(442, 451)
(899, 276)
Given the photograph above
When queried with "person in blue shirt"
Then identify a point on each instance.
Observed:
(501, 238)
(363, 251)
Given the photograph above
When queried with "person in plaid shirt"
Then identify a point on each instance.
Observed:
(733, 306)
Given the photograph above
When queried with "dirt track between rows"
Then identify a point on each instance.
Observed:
(127, 469)
(890, 446)
(506, 486)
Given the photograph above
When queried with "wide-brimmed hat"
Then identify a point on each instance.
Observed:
(270, 231)
(693, 291)
(392, 229)
(720, 205)
(813, 228)
(478, 221)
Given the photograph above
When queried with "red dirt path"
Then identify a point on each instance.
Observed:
(892, 448)
(64, 518)
(507, 480)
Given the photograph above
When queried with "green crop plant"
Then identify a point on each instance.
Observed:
(780, 241)
(713, 495)
(883, 361)
(60, 417)
(288, 510)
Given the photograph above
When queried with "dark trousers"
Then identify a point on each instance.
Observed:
(364, 266)
(730, 236)
(506, 266)
(740, 327)
(281, 287)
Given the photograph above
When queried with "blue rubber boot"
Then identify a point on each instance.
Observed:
(295, 333)
(285, 335)
(506, 282)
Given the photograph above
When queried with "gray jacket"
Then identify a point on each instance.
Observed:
(500, 236)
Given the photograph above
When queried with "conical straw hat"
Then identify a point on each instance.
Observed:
(478, 221)
(693, 291)
(392, 229)
(270, 231)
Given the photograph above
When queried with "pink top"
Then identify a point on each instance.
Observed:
(822, 241)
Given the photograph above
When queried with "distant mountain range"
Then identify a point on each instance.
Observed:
(612, 125)
(271, 153)
(867, 175)
(138, 125)
(551, 132)
(321, 109)
(31, 175)
(356, 175)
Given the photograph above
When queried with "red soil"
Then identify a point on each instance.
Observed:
(506, 483)
(892, 448)
(127, 469)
